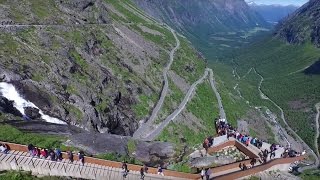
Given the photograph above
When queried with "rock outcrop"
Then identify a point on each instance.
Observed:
(302, 26)
(150, 153)
(32, 113)
(7, 106)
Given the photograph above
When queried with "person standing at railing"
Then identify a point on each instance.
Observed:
(81, 157)
(142, 173)
(38, 152)
(160, 171)
(208, 173)
(272, 154)
(70, 156)
(203, 173)
(30, 149)
(52, 155)
(124, 169)
(58, 153)
(43, 153)
(4, 148)
(34, 152)
(253, 162)
(240, 166)
(244, 167)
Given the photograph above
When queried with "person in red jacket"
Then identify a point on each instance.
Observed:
(43, 154)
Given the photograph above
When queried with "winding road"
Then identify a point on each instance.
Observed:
(316, 137)
(166, 82)
(149, 131)
(157, 131)
(265, 97)
(145, 127)
(221, 109)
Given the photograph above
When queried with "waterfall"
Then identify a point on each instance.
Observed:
(9, 91)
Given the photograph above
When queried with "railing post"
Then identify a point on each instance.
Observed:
(15, 160)
(32, 163)
(49, 165)
(65, 169)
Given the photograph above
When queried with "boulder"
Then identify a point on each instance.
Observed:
(154, 153)
(6, 106)
(150, 153)
(32, 113)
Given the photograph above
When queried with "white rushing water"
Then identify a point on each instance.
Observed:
(9, 91)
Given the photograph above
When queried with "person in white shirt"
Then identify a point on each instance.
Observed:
(203, 173)
(160, 171)
(2, 148)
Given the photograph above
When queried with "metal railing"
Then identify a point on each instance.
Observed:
(107, 173)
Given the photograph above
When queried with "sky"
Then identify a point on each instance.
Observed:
(282, 2)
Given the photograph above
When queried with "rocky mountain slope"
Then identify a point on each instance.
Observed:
(273, 13)
(95, 64)
(218, 15)
(303, 25)
(207, 23)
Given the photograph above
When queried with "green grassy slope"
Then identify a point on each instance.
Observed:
(204, 106)
(20, 175)
(282, 66)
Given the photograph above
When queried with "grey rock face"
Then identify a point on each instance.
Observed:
(151, 153)
(302, 26)
(32, 113)
(76, 65)
(154, 153)
(6, 106)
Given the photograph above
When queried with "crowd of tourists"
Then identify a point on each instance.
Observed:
(57, 155)
(143, 170)
(223, 128)
(244, 167)
(53, 154)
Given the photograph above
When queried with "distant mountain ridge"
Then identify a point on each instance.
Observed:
(206, 20)
(302, 26)
(218, 15)
(273, 13)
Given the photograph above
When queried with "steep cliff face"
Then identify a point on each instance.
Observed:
(303, 25)
(92, 63)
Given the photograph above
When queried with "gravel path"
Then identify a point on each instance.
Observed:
(317, 130)
(151, 136)
(221, 109)
(157, 130)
